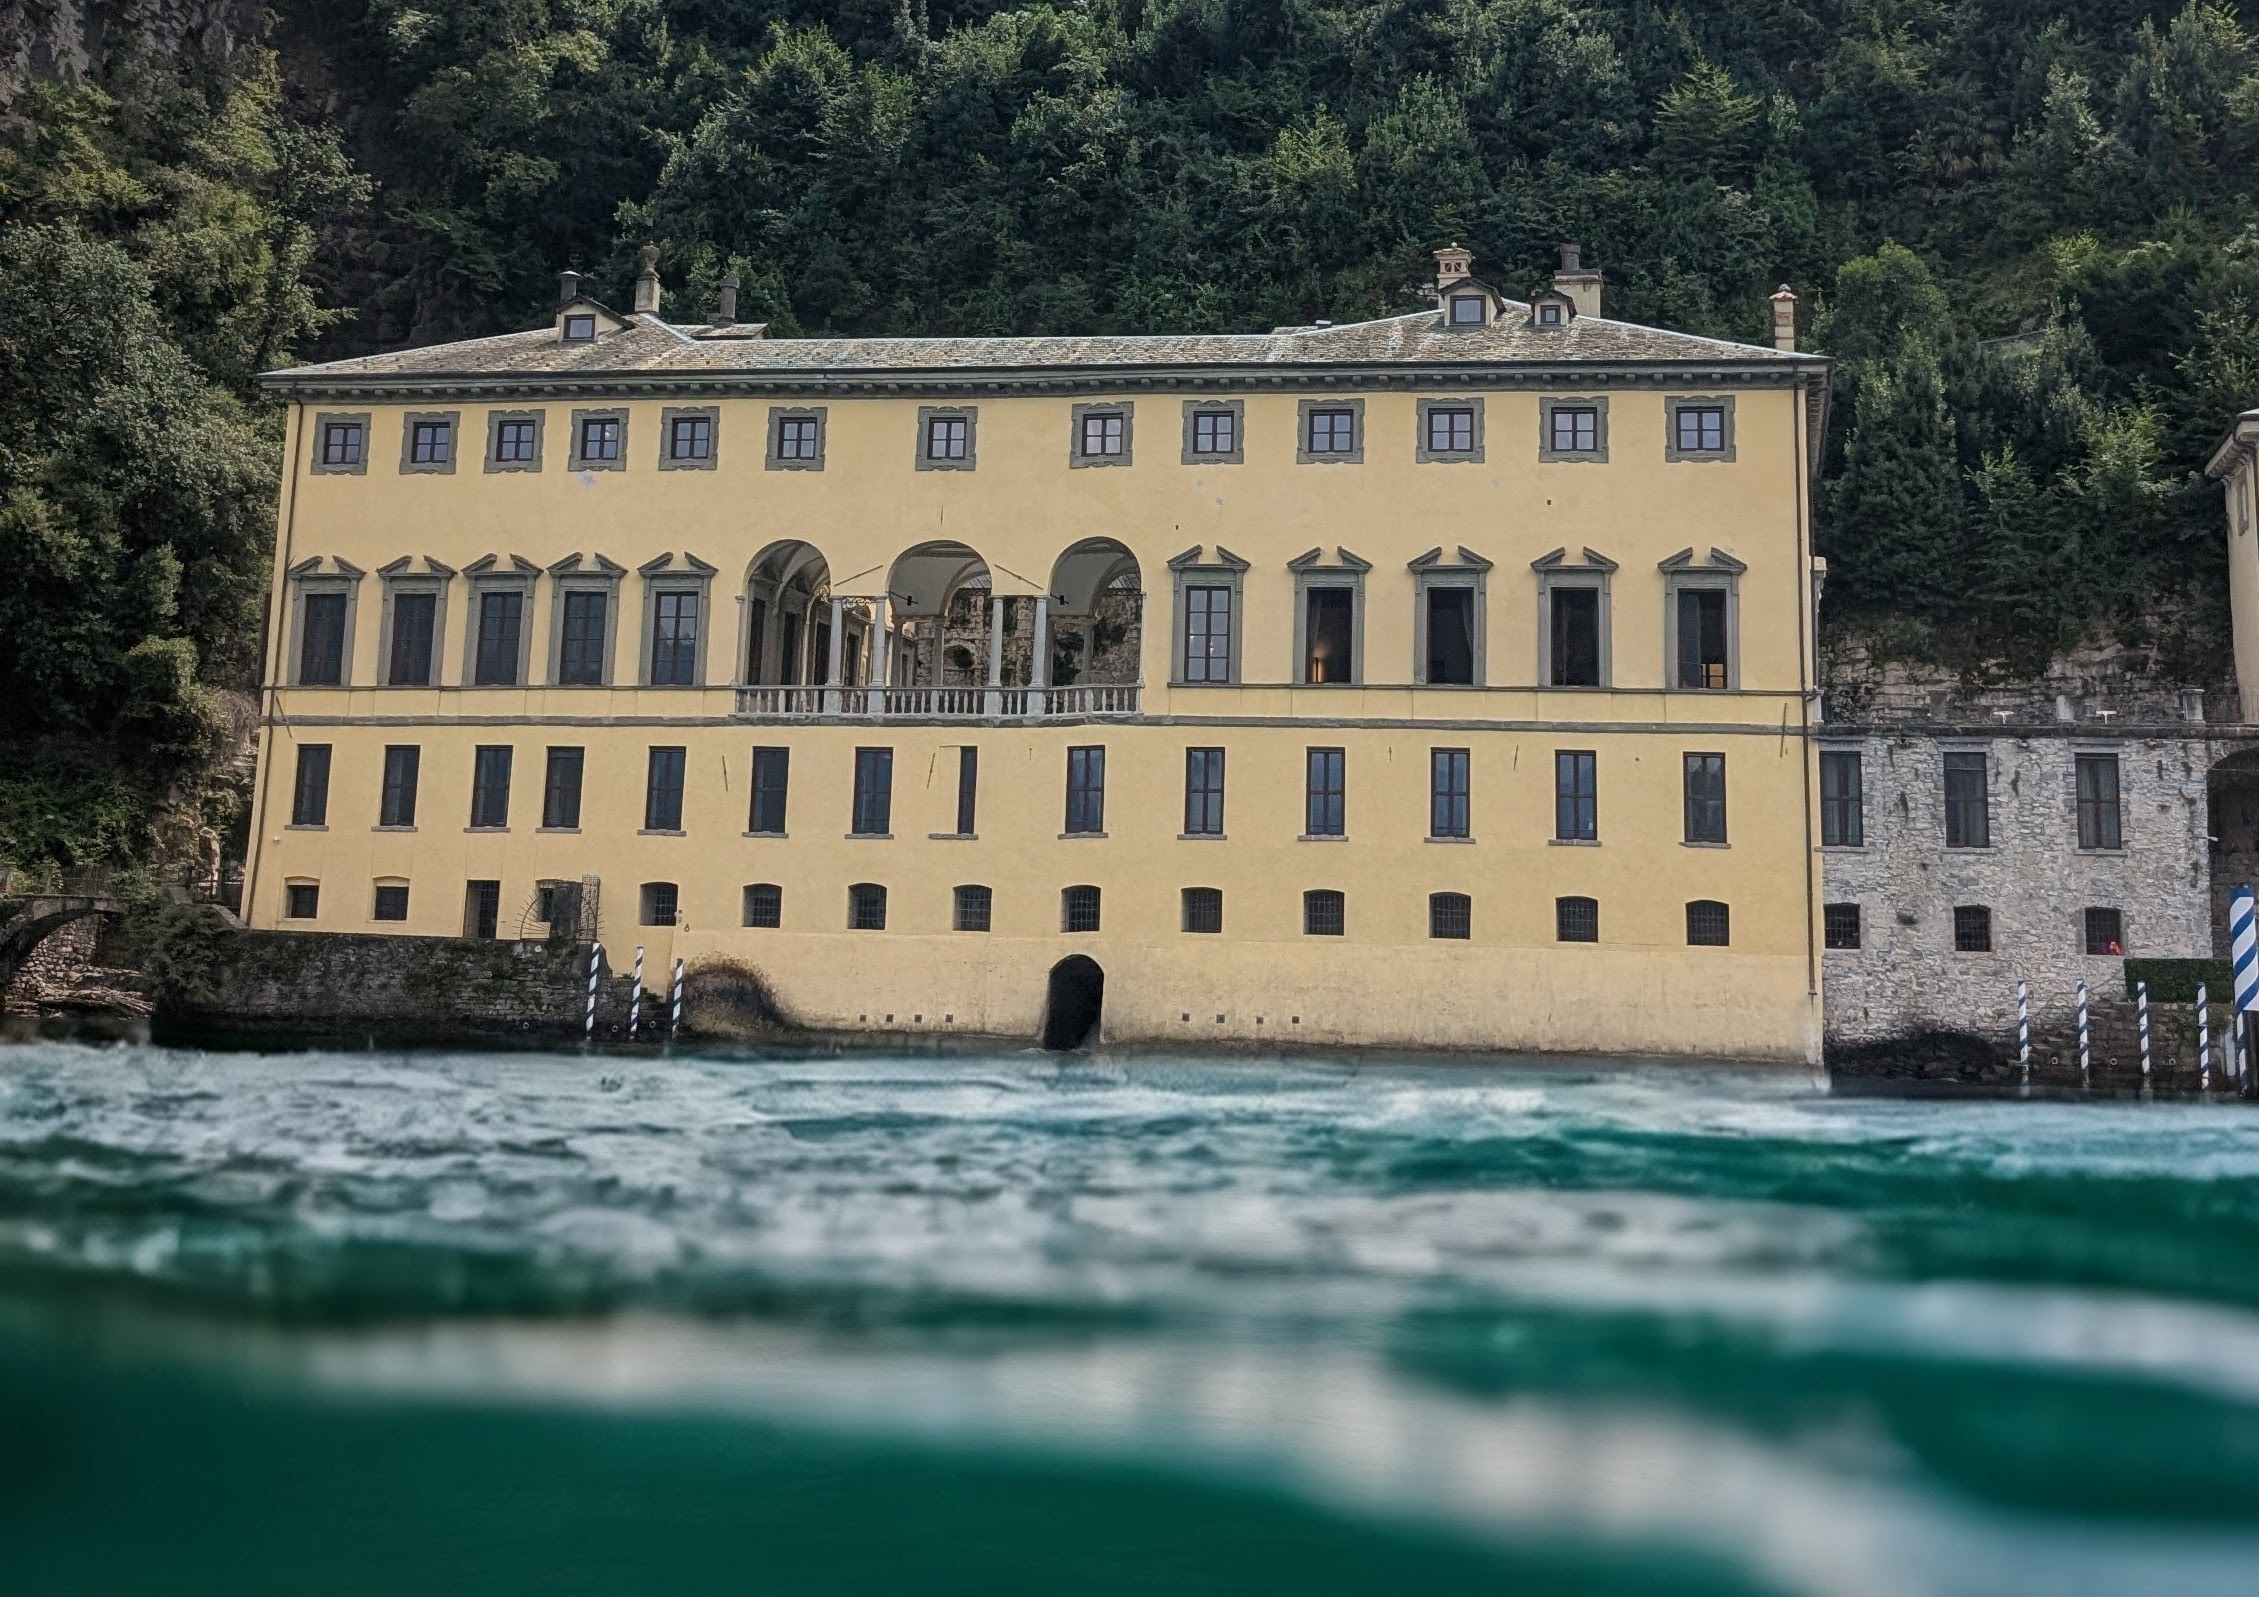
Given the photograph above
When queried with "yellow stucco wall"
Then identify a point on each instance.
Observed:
(1384, 983)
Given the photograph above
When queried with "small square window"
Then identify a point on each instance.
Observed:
(1323, 913)
(2106, 933)
(866, 907)
(691, 438)
(1333, 432)
(1466, 310)
(580, 328)
(1576, 430)
(1708, 924)
(1840, 925)
(1078, 909)
(516, 442)
(391, 904)
(1576, 920)
(600, 438)
(947, 437)
(1102, 435)
(764, 904)
(1204, 909)
(344, 443)
(1451, 431)
(1701, 429)
(1972, 929)
(1450, 915)
(431, 443)
(798, 438)
(1215, 432)
(974, 908)
(1549, 316)
(301, 900)
(659, 901)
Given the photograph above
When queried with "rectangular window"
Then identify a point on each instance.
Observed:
(301, 900)
(560, 790)
(391, 903)
(772, 782)
(396, 806)
(1702, 638)
(764, 905)
(1576, 638)
(415, 619)
(1576, 430)
(1207, 634)
(1576, 920)
(1466, 310)
(490, 787)
(1972, 929)
(974, 909)
(797, 438)
(482, 909)
(1451, 432)
(431, 443)
(691, 438)
(1203, 909)
(1102, 435)
(674, 639)
(1328, 634)
(309, 801)
(1843, 800)
(1447, 792)
(580, 329)
(1839, 925)
(1086, 790)
(499, 618)
(1709, 924)
(874, 792)
(866, 905)
(1325, 811)
(948, 437)
(2098, 801)
(1450, 915)
(2105, 932)
(516, 442)
(1705, 798)
(1701, 429)
(1576, 806)
(1215, 432)
(662, 791)
(1332, 432)
(968, 790)
(1323, 913)
(1968, 819)
(343, 443)
(580, 651)
(1204, 792)
(1078, 909)
(661, 903)
(321, 641)
(1451, 635)
(600, 438)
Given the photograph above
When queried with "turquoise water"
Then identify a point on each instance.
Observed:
(497, 1323)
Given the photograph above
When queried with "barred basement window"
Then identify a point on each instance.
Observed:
(1840, 925)
(866, 907)
(975, 908)
(1323, 913)
(2105, 932)
(391, 904)
(1450, 915)
(1972, 929)
(301, 900)
(482, 909)
(1708, 924)
(764, 904)
(659, 903)
(1576, 920)
(1203, 909)
(1078, 909)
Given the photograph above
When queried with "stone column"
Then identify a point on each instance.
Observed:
(882, 656)
(993, 705)
(838, 645)
(1039, 660)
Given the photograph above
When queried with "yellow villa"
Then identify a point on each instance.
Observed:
(1443, 681)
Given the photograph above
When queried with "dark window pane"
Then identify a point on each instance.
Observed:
(580, 654)
(1322, 913)
(968, 791)
(1701, 429)
(764, 904)
(431, 443)
(600, 439)
(1576, 431)
(1843, 817)
(321, 644)
(1215, 432)
(403, 764)
(1705, 798)
(414, 619)
(975, 909)
(874, 792)
(301, 901)
(772, 781)
(947, 437)
(1972, 929)
(1451, 432)
(1207, 634)
(580, 329)
(1086, 790)
(2105, 932)
(659, 903)
(1203, 909)
(499, 618)
(560, 789)
(1328, 632)
(1102, 436)
(796, 438)
(1708, 924)
(866, 907)
(1450, 915)
(1576, 637)
(662, 791)
(482, 909)
(490, 787)
(1447, 792)
(1576, 920)
(1333, 432)
(1840, 925)
(1325, 815)
(514, 442)
(341, 443)
(1204, 792)
(1451, 635)
(309, 803)
(1576, 807)
(691, 438)
(1702, 638)
(391, 903)
(674, 639)
(2099, 815)
(1078, 909)
(1466, 310)
(1968, 819)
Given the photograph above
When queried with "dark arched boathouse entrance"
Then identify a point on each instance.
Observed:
(1072, 1006)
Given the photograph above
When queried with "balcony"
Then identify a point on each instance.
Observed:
(797, 703)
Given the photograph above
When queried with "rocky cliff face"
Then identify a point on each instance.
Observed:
(77, 39)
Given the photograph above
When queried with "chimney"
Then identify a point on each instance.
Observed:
(727, 312)
(1582, 286)
(568, 287)
(647, 285)
(1784, 319)
(1451, 267)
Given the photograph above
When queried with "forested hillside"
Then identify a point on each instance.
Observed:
(2027, 231)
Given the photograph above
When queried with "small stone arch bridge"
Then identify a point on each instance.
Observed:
(29, 914)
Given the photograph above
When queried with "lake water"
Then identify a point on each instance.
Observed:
(497, 1323)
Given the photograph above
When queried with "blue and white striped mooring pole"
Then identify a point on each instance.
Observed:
(2023, 1028)
(635, 995)
(2141, 1023)
(595, 964)
(674, 1020)
(2086, 1051)
(2203, 1038)
(2243, 953)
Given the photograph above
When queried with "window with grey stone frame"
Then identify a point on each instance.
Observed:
(488, 575)
(665, 575)
(1225, 570)
(449, 442)
(1683, 574)
(398, 580)
(1354, 455)
(494, 422)
(1310, 576)
(780, 414)
(1120, 407)
(711, 415)
(573, 457)
(1596, 403)
(1429, 574)
(1671, 408)
(1596, 574)
(307, 579)
(928, 415)
(1426, 456)
(575, 575)
(1234, 408)
(317, 456)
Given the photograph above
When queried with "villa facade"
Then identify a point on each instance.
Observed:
(1438, 681)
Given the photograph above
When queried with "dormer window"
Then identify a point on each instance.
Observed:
(1549, 316)
(1466, 310)
(580, 328)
